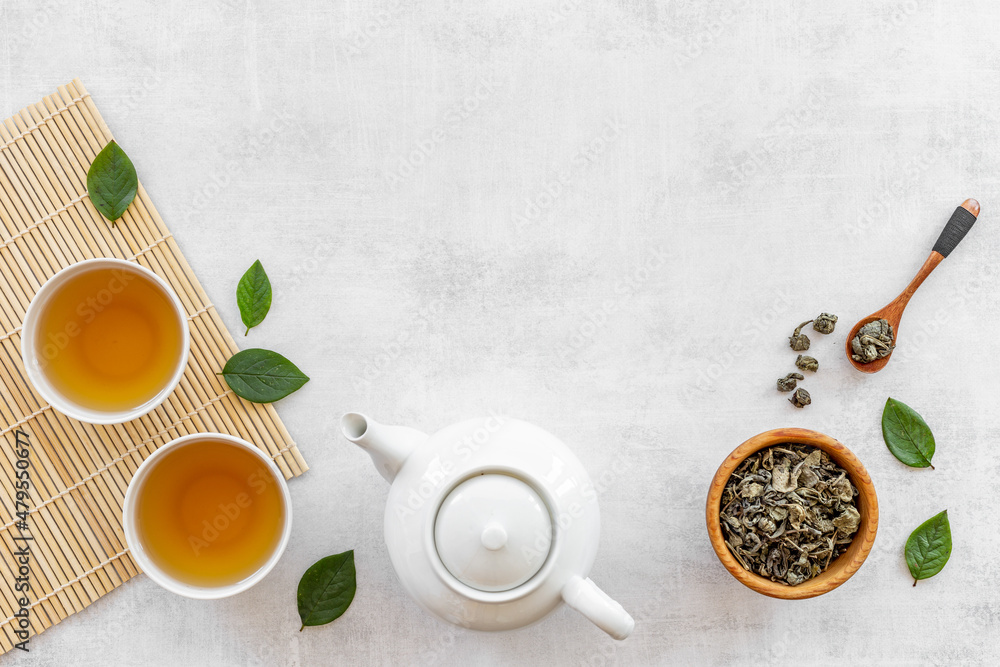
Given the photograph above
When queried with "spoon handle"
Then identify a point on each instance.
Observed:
(958, 226)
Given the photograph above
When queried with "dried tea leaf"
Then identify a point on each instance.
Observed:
(788, 383)
(814, 459)
(907, 435)
(796, 514)
(800, 398)
(807, 363)
(842, 489)
(767, 462)
(822, 523)
(825, 323)
(798, 341)
(929, 547)
(807, 478)
(793, 478)
(781, 479)
(848, 522)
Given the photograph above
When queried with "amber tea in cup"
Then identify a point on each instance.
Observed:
(110, 339)
(206, 512)
(105, 340)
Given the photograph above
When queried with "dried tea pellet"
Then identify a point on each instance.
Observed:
(798, 341)
(807, 363)
(825, 323)
(787, 383)
(800, 398)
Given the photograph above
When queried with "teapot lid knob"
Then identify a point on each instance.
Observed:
(494, 537)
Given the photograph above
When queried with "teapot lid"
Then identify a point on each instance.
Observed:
(493, 532)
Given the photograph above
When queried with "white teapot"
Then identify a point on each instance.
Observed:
(490, 523)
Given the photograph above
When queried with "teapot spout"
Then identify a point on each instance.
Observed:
(584, 596)
(389, 446)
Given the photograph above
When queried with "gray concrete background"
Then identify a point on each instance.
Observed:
(601, 217)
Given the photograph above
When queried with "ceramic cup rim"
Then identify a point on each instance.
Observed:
(840, 570)
(37, 376)
(130, 523)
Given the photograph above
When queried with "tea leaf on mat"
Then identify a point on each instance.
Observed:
(327, 589)
(907, 435)
(253, 295)
(929, 547)
(262, 376)
(112, 182)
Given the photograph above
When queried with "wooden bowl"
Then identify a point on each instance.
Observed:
(839, 570)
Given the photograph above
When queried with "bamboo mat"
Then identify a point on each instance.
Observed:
(79, 472)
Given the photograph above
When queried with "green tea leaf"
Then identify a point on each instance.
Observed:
(929, 547)
(262, 376)
(112, 182)
(327, 589)
(253, 295)
(907, 435)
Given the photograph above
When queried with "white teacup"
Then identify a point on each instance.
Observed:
(33, 356)
(140, 553)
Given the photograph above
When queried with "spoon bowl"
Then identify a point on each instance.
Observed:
(958, 226)
(878, 364)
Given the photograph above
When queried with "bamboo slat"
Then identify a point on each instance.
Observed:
(79, 472)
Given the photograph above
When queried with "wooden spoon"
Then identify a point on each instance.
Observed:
(960, 223)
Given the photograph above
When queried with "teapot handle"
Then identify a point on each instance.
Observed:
(584, 596)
